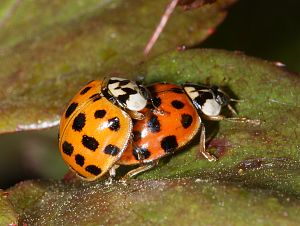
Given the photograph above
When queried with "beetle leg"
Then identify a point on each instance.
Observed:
(112, 174)
(202, 148)
(112, 171)
(244, 120)
(159, 111)
(139, 170)
(213, 118)
(233, 119)
(136, 115)
(232, 110)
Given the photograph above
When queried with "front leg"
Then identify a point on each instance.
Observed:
(136, 115)
(233, 119)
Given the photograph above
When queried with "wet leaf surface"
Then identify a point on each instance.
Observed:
(257, 171)
(49, 49)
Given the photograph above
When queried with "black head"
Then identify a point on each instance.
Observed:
(220, 97)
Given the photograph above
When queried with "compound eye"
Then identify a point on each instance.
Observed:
(222, 99)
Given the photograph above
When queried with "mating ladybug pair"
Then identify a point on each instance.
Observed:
(119, 122)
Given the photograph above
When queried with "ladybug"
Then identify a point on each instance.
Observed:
(94, 129)
(159, 135)
(209, 100)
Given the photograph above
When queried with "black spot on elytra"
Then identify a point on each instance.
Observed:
(141, 153)
(156, 101)
(95, 97)
(114, 124)
(71, 109)
(153, 124)
(67, 148)
(169, 143)
(177, 104)
(90, 142)
(100, 113)
(111, 150)
(201, 99)
(93, 170)
(84, 91)
(79, 122)
(186, 120)
(79, 160)
(136, 136)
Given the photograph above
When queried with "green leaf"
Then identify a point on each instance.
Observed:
(49, 49)
(255, 181)
(7, 213)
(26, 194)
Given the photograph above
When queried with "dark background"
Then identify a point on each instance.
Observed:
(269, 29)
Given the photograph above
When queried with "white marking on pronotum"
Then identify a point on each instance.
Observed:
(211, 107)
(191, 91)
(136, 102)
